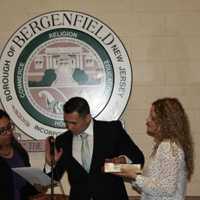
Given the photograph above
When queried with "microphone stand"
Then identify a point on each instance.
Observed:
(52, 153)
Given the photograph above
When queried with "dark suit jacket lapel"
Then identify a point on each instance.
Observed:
(70, 141)
(98, 137)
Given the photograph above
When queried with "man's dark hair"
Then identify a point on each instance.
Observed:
(3, 114)
(77, 104)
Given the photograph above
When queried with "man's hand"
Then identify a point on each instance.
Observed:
(117, 160)
(48, 156)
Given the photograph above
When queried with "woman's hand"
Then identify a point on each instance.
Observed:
(127, 172)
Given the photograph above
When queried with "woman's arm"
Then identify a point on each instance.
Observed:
(164, 171)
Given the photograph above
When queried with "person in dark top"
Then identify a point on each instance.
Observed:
(6, 189)
(12, 154)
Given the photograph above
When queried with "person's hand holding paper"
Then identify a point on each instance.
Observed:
(34, 176)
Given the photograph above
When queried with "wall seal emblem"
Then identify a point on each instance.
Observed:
(58, 55)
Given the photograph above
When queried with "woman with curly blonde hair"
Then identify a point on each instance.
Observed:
(171, 163)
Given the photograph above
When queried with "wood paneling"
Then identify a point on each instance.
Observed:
(187, 198)
(59, 197)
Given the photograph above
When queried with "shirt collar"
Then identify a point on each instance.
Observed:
(89, 129)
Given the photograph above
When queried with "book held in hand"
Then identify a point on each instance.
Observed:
(114, 168)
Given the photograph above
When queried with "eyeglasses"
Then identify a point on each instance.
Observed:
(4, 130)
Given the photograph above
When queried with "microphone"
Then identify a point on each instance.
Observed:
(52, 146)
(52, 156)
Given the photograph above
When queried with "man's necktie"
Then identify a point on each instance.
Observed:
(85, 152)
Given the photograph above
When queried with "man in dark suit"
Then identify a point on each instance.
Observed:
(106, 140)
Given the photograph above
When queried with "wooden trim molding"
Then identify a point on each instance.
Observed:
(187, 198)
(63, 197)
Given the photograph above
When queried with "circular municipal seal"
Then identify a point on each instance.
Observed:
(56, 56)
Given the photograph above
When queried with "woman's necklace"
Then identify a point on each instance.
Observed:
(8, 153)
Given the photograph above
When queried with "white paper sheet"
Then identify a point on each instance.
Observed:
(34, 176)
